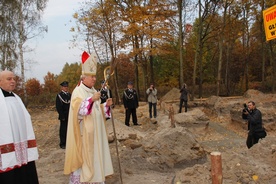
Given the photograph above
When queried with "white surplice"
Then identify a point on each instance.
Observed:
(17, 138)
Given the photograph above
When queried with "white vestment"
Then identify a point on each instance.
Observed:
(87, 151)
(17, 139)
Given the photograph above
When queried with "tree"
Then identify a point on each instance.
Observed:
(71, 73)
(100, 23)
(148, 25)
(21, 22)
(221, 50)
(29, 16)
(50, 86)
(8, 43)
(33, 87)
(225, 5)
(180, 25)
(120, 25)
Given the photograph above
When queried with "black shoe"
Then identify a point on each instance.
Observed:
(127, 124)
(62, 147)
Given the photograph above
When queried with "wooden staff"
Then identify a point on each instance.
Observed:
(107, 74)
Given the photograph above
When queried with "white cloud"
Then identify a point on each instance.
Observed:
(52, 52)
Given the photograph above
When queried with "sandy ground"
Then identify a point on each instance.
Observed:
(140, 164)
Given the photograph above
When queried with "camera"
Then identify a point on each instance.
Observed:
(245, 108)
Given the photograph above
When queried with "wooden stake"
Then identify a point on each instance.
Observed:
(216, 168)
(171, 116)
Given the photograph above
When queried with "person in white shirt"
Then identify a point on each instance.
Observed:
(152, 100)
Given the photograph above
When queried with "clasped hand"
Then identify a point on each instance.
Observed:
(96, 96)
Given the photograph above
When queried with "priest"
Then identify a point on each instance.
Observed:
(18, 150)
(87, 154)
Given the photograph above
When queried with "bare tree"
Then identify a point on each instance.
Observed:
(8, 44)
(29, 26)
(22, 24)
(225, 5)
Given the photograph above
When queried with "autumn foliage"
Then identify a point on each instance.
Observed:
(33, 87)
(218, 48)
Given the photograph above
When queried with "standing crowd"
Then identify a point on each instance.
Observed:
(82, 132)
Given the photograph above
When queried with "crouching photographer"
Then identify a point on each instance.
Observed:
(255, 125)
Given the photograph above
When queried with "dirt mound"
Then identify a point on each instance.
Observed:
(157, 153)
(172, 95)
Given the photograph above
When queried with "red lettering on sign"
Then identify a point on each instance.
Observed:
(270, 16)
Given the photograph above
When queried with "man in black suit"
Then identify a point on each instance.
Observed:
(105, 92)
(255, 123)
(62, 106)
(130, 100)
(183, 98)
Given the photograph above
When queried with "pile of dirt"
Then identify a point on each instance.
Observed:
(172, 95)
(157, 153)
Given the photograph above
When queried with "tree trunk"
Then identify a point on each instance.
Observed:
(221, 48)
(180, 35)
(272, 61)
(227, 69)
(151, 63)
(197, 49)
(145, 79)
(200, 70)
(116, 88)
(219, 64)
(263, 45)
(21, 51)
(136, 70)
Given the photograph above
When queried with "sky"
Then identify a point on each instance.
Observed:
(51, 51)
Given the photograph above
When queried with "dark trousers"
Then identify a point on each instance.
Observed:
(154, 109)
(63, 132)
(251, 140)
(134, 116)
(185, 105)
(25, 174)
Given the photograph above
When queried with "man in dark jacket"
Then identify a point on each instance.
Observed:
(105, 92)
(62, 106)
(130, 100)
(183, 98)
(254, 117)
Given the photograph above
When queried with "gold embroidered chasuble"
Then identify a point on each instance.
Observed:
(87, 144)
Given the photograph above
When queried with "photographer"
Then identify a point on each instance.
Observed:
(183, 98)
(152, 100)
(254, 117)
